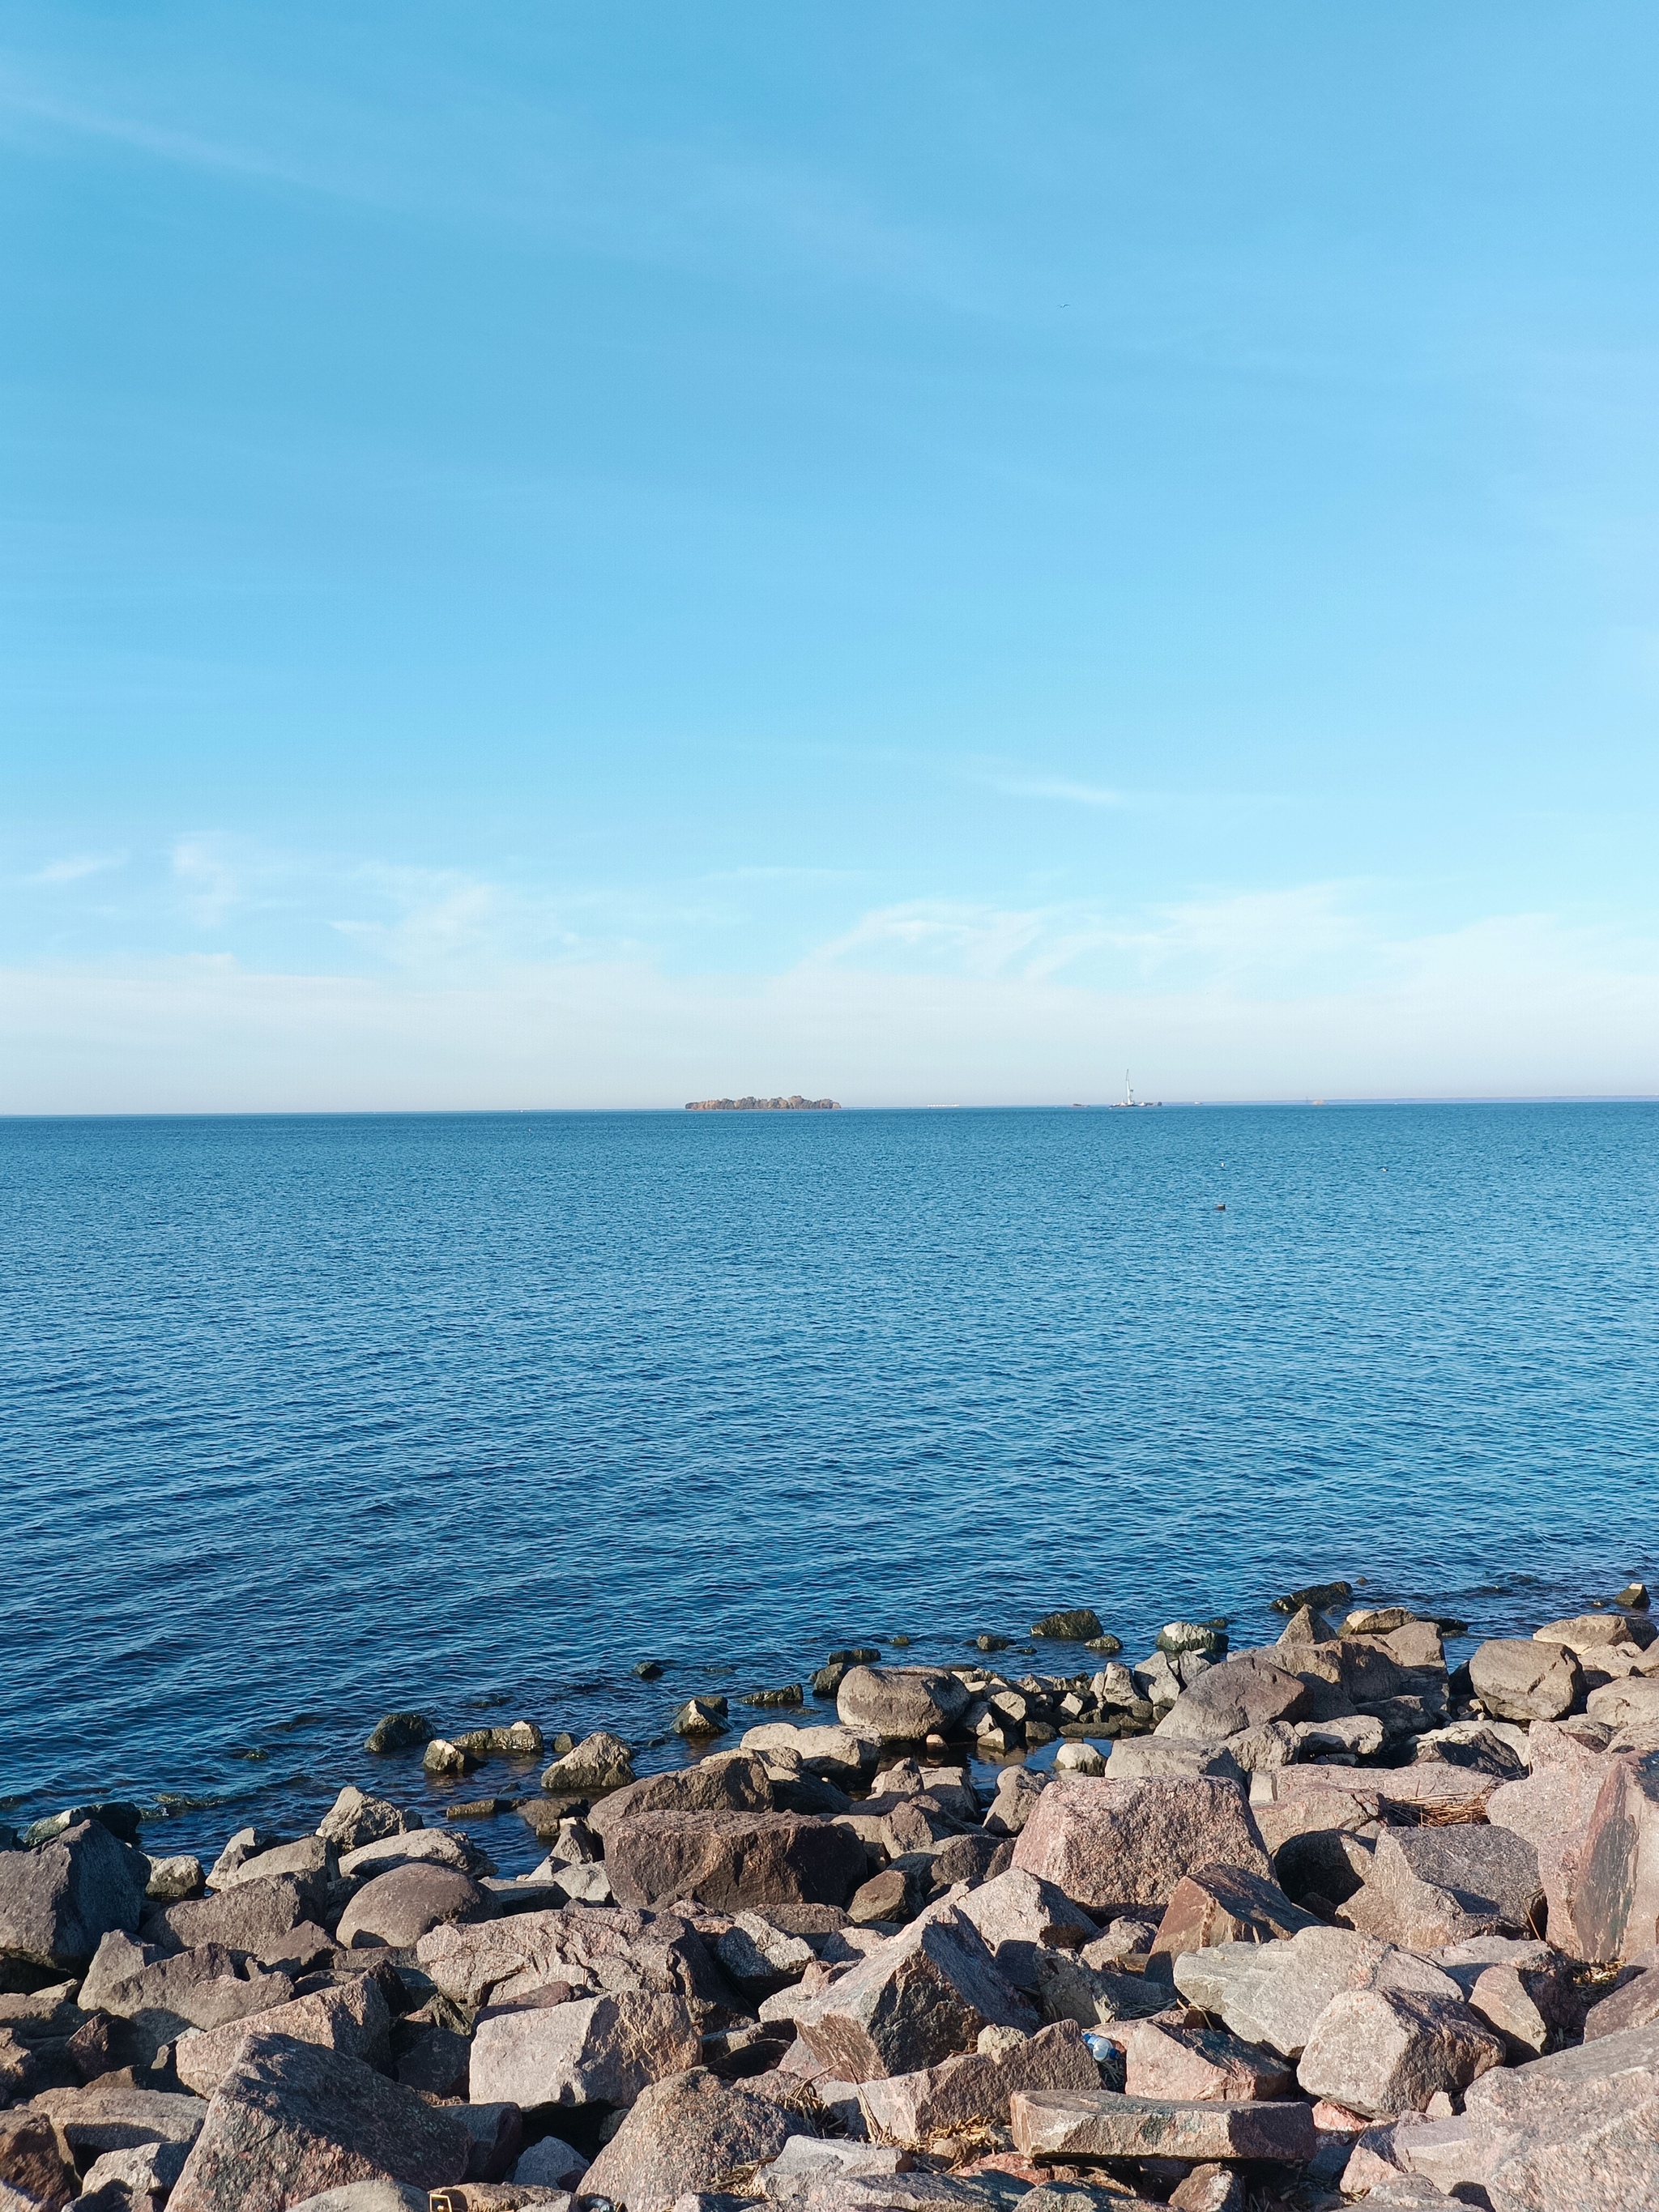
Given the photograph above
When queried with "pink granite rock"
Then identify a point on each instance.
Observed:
(1113, 1845)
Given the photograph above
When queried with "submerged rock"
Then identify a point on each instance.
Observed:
(701, 1717)
(1076, 1627)
(399, 1732)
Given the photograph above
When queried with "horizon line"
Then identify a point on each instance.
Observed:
(1282, 1104)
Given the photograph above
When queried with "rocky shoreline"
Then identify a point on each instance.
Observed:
(1325, 1922)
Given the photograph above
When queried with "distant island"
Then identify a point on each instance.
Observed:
(795, 1105)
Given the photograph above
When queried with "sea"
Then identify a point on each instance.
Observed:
(304, 1419)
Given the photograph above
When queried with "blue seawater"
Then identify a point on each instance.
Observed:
(305, 1418)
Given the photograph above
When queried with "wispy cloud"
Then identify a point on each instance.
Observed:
(969, 939)
(1057, 787)
(26, 104)
(77, 867)
(209, 887)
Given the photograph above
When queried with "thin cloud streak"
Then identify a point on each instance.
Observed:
(1073, 795)
(75, 868)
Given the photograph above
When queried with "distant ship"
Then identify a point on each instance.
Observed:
(1129, 1098)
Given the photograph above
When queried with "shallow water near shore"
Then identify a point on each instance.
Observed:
(305, 1418)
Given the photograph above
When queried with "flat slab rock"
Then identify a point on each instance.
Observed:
(290, 2121)
(1275, 1993)
(1098, 2123)
(98, 2118)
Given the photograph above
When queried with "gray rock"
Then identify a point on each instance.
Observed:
(144, 2174)
(401, 1905)
(590, 2051)
(1098, 2123)
(1181, 1639)
(172, 1880)
(759, 1958)
(251, 1916)
(600, 1761)
(690, 2133)
(312, 1863)
(1071, 1986)
(246, 1843)
(56, 1902)
(1274, 1993)
(899, 1705)
(441, 1756)
(290, 2121)
(1529, 2004)
(1238, 1695)
(1307, 1626)
(1136, 1757)
(588, 1947)
(516, 1740)
(1630, 1705)
(701, 1717)
(1489, 1871)
(399, 1732)
(354, 1819)
(416, 1847)
(161, 1995)
(552, 2162)
(836, 1754)
(367, 2196)
(1634, 2005)
(1521, 1680)
(1586, 1633)
(926, 1994)
(1076, 1625)
(583, 1884)
(104, 2117)
(1385, 2052)
(806, 2160)
(1017, 1794)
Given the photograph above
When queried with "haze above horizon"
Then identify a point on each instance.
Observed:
(562, 557)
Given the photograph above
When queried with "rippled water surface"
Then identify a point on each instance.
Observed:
(305, 1418)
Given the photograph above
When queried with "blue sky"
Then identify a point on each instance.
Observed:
(590, 556)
